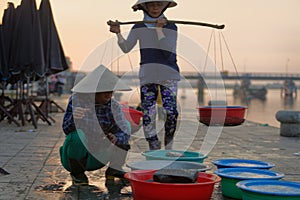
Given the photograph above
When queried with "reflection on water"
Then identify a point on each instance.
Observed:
(260, 111)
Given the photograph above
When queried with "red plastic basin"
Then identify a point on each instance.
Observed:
(144, 188)
(222, 115)
(132, 115)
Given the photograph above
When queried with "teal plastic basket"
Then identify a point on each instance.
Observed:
(184, 155)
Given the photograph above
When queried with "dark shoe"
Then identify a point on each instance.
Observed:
(154, 145)
(168, 143)
(112, 173)
(79, 179)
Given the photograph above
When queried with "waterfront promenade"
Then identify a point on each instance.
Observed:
(31, 158)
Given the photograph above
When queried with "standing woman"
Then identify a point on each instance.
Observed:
(158, 66)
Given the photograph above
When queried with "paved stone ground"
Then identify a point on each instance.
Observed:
(31, 158)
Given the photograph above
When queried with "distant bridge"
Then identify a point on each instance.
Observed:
(235, 76)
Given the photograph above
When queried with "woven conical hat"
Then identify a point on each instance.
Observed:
(139, 2)
(100, 79)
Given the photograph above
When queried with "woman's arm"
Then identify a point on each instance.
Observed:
(122, 132)
(72, 113)
(126, 45)
(68, 124)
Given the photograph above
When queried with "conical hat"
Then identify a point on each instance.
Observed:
(135, 7)
(100, 79)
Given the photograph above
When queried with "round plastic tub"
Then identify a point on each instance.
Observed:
(270, 190)
(242, 163)
(231, 176)
(132, 115)
(159, 164)
(182, 155)
(222, 115)
(143, 187)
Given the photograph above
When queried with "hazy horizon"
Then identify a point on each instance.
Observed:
(263, 36)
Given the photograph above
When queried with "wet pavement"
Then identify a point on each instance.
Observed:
(30, 164)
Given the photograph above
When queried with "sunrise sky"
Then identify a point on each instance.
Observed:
(262, 35)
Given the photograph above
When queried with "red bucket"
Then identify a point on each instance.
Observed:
(144, 188)
(132, 115)
(222, 115)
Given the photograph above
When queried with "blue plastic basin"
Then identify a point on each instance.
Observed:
(242, 163)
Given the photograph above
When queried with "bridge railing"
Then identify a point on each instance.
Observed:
(252, 75)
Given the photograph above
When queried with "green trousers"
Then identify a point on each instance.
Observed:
(74, 148)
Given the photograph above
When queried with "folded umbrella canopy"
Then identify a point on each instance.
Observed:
(4, 73)
(27, 57)
(5, 41)
(53, 52)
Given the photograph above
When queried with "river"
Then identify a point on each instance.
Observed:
(260, 111)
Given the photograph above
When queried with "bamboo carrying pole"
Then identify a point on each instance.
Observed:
(111, 23)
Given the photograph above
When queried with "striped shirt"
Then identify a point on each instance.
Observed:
(98, 121)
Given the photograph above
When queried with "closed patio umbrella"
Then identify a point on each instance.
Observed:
(55, 59)
(27, 57)
(5, 75)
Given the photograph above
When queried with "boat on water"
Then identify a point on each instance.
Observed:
(289, 89)
(248, 91)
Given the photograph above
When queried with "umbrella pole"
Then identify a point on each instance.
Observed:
(43, 114)
(3, 109)
(28, 102)
(2, 99)
(45, 106)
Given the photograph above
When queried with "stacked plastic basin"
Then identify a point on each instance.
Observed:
(145, 188)
(178, 155)
(253, 179)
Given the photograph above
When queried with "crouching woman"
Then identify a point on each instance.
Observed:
(97, 133)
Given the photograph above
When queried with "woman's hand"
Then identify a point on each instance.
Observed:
(112, 138)
(79, 113)
(114, 27)
(159, 26)
(161, 22)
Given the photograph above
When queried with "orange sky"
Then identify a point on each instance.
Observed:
(263, 36)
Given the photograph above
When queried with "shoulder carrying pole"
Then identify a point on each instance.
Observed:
(111, 23)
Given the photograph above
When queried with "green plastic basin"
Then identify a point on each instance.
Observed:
(269, 190)
(231, 176)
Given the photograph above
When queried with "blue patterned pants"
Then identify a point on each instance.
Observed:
(149, 93)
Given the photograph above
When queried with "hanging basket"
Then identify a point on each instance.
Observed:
(134, 117)
(222, 115)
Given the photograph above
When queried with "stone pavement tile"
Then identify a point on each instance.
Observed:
(13, 149)
(33, 159)
(5, 179)
(14, 190)
(4, 159)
